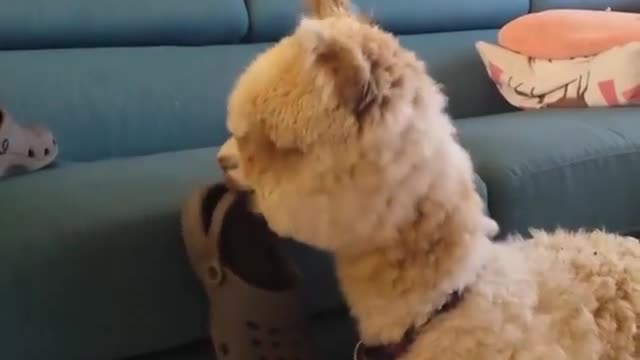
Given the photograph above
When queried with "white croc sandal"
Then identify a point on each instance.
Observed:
(24, 148)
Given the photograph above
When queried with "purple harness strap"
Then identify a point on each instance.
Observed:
(396, 350)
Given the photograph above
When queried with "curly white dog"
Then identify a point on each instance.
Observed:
(342, 137)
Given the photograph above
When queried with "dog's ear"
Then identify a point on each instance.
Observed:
(327, 8)
(348, 68)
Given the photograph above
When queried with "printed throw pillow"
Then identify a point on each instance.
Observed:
(610, 78)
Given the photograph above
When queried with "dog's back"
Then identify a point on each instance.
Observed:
(589, 282)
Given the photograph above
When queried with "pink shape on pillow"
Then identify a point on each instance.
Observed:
(566, 33)
(632, 95)
(608, 91)
(495, 73)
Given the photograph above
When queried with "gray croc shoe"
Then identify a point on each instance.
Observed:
(256, 310)
(24, 148)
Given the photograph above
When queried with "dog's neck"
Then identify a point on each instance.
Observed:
(393, 288)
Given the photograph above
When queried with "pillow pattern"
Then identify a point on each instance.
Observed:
(610, 78)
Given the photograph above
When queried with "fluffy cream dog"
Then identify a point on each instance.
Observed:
(342, 136)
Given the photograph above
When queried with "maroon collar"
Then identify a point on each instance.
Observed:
(396, 350)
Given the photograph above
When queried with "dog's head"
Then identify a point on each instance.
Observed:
(338, 131)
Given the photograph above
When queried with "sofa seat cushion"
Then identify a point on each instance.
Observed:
(548, 168)
(37, 24)
(92, 261)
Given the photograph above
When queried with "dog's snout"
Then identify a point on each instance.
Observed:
(228, 158)
(227, 163)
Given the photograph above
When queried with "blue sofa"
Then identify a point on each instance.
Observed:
(92, 265)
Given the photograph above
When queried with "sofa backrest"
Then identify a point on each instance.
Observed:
(120, 77)
(34, 24)
(124, 101)
(272, 19)
(125, 78)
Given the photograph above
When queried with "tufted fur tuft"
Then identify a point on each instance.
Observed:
(327, 8)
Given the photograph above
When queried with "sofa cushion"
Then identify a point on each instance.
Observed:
(114, 102)
(273, 19)
(548, 168)
(617, 5)
(92, 262)
(29, 24)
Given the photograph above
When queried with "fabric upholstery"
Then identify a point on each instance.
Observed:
(115, 102)
(617, 5)
(453, 61)
(29, 24)
(91, 258)
(550, 168)
(156, 99)
(272, 19)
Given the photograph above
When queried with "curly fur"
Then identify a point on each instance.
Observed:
(343, 138)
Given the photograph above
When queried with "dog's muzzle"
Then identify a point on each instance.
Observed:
(229, 162)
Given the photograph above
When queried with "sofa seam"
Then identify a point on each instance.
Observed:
(514, 174)
(249, 30)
